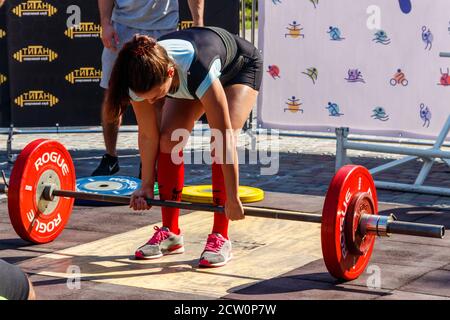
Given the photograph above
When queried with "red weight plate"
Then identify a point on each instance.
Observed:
(347, 183)
(38, 158)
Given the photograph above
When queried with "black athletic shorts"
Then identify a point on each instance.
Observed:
(241, 62)
(251, 71)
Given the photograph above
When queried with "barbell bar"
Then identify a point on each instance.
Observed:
(49, 193)
(41, 195)
(377, 225)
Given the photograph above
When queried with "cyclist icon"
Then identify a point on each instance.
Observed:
(399, 78)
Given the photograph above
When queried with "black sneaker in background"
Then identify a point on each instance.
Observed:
(107, 167)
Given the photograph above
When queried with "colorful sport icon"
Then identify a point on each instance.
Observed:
(381, 37)
(399, 78)
(425, 115)
(405, 6)
(445, 78)
(335, 34)
(333, 110)
(354, 75)
(294, 30)
(427, 38)
(315, 3)
(380, 114)
(293, 105)
(274, 71)
(312, 73)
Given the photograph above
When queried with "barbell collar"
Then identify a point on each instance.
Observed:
(48, 193)
(371, 224)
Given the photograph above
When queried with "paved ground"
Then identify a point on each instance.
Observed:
(305, 165)
(409, 268)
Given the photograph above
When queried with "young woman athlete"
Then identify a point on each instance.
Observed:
(171, 83)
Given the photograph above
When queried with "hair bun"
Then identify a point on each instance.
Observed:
(143, 44)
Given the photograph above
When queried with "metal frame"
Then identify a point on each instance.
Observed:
(428, 156)
(11, 131)
(248, 126)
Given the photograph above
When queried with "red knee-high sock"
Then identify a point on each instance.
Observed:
(219, 197)
(170, 184)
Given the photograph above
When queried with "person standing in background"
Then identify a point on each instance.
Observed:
(120, 21)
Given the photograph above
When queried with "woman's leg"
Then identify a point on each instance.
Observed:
(176, 114)
(241, 100)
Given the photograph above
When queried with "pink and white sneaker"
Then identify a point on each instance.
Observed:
(217, 251)
(163, 242)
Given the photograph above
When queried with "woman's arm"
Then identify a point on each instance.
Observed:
(216, 106)
(148, 120)
(147, 116)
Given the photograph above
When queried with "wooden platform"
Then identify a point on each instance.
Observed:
(262, 250)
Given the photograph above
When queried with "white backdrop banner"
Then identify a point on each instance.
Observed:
(371, 65)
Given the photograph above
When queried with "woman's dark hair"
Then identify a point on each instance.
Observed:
(141, 65)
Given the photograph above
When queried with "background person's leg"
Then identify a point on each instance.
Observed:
(110, 133)
(109, 164)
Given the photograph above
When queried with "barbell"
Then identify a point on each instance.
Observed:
(41, 195)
